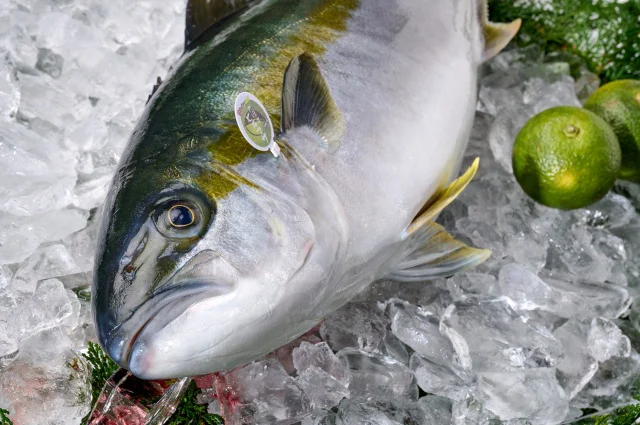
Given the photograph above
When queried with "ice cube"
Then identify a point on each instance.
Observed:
(261, 392)
(542, 95)
(482, 234)
(81, 248)
(393, 347)
(511, 60)
(9, 87)
(430, 295)
(47, 262)
(23, 48)
(571, 248)
(614, 384)
(357, 325)
(322, 389)
(565, 299)
(378, 413)
(320, 417)
(47, 383)
(45, 100)
(530, 393)
(284, 354)
(50, 172)
(496, 337)
(502, 135)
(464, 284)
(49, 62)
(437, 410)
(578, 366)
(606, 340)
(449, 381)
(420, 330)
(21, 236)
(611, 212)
(51, 306)
(470, 411)
(320, 355)
(91, 192)
(376, 377)
(586, 84)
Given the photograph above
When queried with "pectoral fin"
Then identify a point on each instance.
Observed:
(496, 35)
(431, 253)
(307, 101)
(443, 198)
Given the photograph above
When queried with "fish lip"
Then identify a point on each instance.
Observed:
(160, 302)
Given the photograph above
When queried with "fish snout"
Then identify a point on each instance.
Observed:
(130, 341)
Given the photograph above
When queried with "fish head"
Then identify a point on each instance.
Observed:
(205, 269)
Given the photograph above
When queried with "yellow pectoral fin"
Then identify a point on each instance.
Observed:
(431, 253)
(437, 203)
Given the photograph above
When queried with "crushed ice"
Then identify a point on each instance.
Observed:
(535, 335)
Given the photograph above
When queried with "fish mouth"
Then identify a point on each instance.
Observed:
(154, 314)
(204, 276)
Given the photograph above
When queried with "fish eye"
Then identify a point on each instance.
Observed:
(181, 216)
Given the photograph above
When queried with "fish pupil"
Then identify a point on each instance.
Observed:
(180, 216)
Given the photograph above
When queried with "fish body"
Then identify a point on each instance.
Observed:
(212, 252)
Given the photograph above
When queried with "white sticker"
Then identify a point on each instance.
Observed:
(255, 124)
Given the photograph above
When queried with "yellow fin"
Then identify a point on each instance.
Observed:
(497, 36)
(431, 253)
(437, 203)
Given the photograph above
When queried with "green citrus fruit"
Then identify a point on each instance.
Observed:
(619, 104)
(566, 157)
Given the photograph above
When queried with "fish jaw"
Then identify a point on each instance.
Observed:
(217, 334)
(206, 275)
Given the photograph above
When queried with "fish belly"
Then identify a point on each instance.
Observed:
(404, 76)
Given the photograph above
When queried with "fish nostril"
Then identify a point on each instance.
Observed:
(128, 272)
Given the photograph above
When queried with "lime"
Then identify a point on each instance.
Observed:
(619, 104)
(566, 157)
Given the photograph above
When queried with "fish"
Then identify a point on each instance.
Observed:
(212, 251)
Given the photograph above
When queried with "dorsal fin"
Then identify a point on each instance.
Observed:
(306, 101)
(496, 35)
(202, 14)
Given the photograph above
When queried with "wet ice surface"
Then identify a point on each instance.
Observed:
(74, 77)
(533, 336)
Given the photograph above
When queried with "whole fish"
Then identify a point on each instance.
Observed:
(213, 252)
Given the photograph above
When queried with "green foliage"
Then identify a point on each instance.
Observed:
(604, 34)
(627, 415)
(189, 412)
(102, 367)
(4, 417)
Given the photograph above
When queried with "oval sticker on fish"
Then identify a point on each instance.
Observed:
(255, 124)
